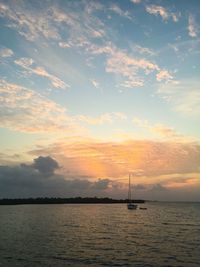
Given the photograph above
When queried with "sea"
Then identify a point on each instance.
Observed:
(64, 235)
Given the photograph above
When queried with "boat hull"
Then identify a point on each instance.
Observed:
(131, 206)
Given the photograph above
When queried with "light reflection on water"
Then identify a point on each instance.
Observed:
(166, 234)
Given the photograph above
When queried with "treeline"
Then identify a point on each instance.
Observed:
(73, 200)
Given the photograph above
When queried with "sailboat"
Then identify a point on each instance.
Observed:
(130, 204)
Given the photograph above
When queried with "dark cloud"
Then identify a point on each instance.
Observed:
(39, 179)
(101, 184)
(158, 187)
(45, 165)
(139, 187)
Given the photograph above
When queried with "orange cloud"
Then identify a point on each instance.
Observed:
(156, 161)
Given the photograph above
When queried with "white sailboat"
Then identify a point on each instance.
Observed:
(130, 204)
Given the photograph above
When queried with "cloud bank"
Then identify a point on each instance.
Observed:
(40, 179)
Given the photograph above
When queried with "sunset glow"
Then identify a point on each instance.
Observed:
(103, 88)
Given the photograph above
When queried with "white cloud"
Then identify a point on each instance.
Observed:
(64, 44)
(27, 64)
(95, 83)
(24, 62)
(46, 23)
(164, 75)
(23, 109)
(28, 24)
(128, 67)
(6, 52)
(135, 82)
(192, 27)
(116, 9)
(133, 70)
(136, 1)
(163, 12)
(143, 50)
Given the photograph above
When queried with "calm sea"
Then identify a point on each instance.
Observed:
(166, 234)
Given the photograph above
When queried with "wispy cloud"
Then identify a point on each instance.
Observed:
(24, 110)
(136, 1)
(104, 118)
(64, 44)
(184, 96)
(143, 50)
(46, 22)
(163, 12)
(6, 52)
(161, 130)
(128, 66)
(116, 9)
(95, 83)
(192, 26)
(27, 64)
(28, 24)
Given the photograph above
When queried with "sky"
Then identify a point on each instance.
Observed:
(91, 91)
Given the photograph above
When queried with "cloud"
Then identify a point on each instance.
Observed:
(104, 118)
(136, 1)
(158, 187)
(164, 75)
(115, 159)
(161, 130)
(64, 44)
(95, 83)
(101, 184)
(6, 52)
(132, 70)
(166, 132)
(39, 21)
(116, 9)
(165, 170)
(40, 180)
(23, 109)
(183, 96)
(45, 165)
(163, 12)
(192, 27)
(27, 64)
(139, 187)
(128, 67)
(133, 82)
(143, 50)
(181, 181)
(28, 24)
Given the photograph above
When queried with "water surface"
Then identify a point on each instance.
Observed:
(166, 234)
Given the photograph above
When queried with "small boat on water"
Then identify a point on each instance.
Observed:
(130, 204)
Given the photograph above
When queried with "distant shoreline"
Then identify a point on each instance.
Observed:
(74, 200)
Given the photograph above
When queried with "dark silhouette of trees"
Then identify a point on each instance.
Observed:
(73, 200)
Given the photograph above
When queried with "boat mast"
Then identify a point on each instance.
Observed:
(129, 189)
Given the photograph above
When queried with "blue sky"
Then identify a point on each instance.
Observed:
(96, 72)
